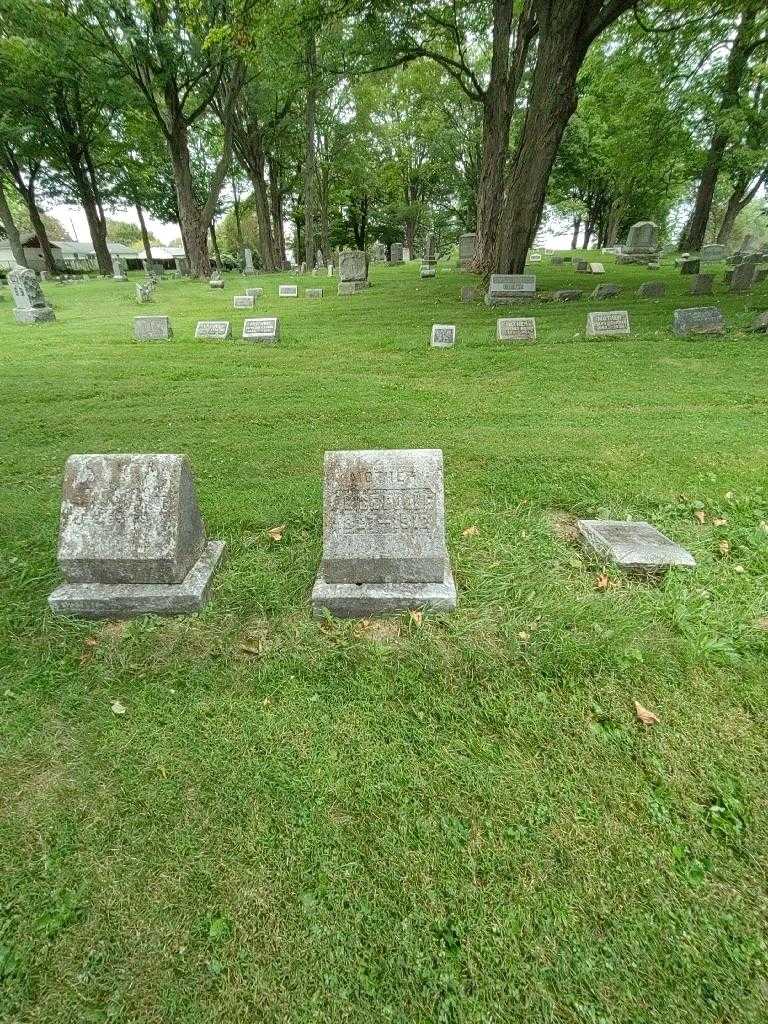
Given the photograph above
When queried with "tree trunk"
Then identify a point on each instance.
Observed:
(740, 198)
(576, 230)
(42, 235)
(309, 155)
(250, 151)
(215, 247)
(97, 226)
(144, 232)
(693, 239)
(276, 203)
(11, 231)
(325, 218)
(236, 209)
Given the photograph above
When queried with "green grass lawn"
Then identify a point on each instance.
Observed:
(458, 821)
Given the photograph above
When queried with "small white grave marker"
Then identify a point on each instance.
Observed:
(288, 291)
(516, 328)
(604, 325)
(443, 336)
(218, 330)
(242, 301)
(265, 328)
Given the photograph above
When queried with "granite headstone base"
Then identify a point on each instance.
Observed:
(366, 600)
(34, 315)
(352, 287)
(128, 600)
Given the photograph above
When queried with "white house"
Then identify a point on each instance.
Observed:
(67, 255)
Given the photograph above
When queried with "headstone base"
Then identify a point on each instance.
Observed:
(36, 315)
(368, 600)
(128, 600)
(351, 287)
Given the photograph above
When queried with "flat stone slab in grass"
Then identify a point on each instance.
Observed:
(568, 295)
(256, 293)
(596, 268)
(313, 293)
(698, 320)
(264, 329)
(515, 328)
(218, 330)
(427, 270)
(605, 325)
(509, 287)
(443, 336)
(288, 291)
(702, 284)
(606, 291)
(243, 301)
(384, 544)
(468, 294)
(152, 328)
(534, 257)
(635, 547)
(652, 290)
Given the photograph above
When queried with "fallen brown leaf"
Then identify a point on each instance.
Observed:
(276, 533)
(603, 582)
(417, 617)
(724, 547)
(720, 521)
(700, 515)
(117, 708)
(471, 531)
(645, 716)
(253, 649)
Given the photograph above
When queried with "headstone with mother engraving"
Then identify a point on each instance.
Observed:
(509, 288)
(264, 329)
(29, 301)
(636, 547)
(152, 328)
(698, 320)
(606, 325)
(216, 330)
(515, 328)
(131, 538)
(384, 547)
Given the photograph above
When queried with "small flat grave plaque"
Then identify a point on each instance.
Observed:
(605, 325)
(219, 330)
(535, 257)
(288, 291)
(256, 293)
(242, 301)
(698, 320)
(265, 329)
(516, 328)
(313, 293)
(596, 268)
(152, 328)
(443, 336)
(634, 547)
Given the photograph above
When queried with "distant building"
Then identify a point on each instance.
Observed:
(72, 256)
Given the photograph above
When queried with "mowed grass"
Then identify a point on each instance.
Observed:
(457, 821)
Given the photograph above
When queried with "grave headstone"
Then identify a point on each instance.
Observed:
(255, 293)
(606, 325)
(242, 301)
(118, 269)
(319, 260)
(698, 320)
(558, 261)
(248, 262)
(605, 291)
(384, 547)
(712, 253)
(144, 292)
(534, 257)
(466, 249)
(131, 538)
(313, 293)
(406, 254)
(264, 329)
(427, 270)
(378, 252)
(330, 270)
(288, 291)
(582, 267)
(182, 265)
(443, 336)
(742, 278)
(468, 294)
(652, 290)
(510, 287)
(152, 328)
(690, 266)
(636, 547)
(216, 330)
(353, 272)
(596, 268)
(30, 306)
(761, 274)
(216, 281)
(760, 325)
(396, 252)
(642, 241)
(515, 328)
(702, 284)
(568, 295)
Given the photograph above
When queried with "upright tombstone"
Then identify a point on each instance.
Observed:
(509, 288)
(216, 281)
(443, 336)
(319, 260)
(430, 252)
(131, 538)
(255, 293)
(264, 329)
(558, 261)
(516, 328)
(378, 252)
(606, 325)
(406, 254)
(313, 293)
(248, 262)
(468, 294)
(30, 306)
(712, 253)
(698, 320)
(690, 266)
(427, 270)
(152, 328)
(144, 292)
(384, 547)
(634, 547)
(652, 290)
(214, 330)
(742, 278)
(396, 252)
(242, 301)
(642, 243)
(330, 270)
(118, 269)
(353, 271)
(288, 291)
(466, 249)
(702, 284)
(182, 265)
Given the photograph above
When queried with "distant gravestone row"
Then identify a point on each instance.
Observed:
(132, 540)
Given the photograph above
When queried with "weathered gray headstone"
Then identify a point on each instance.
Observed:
(152, 328)
(534, 257)
(652, 290)
(605, 325)
(466, 249)
(264, 329)
(516, 328)
(742, 278)
(131, 539)
(119, 266)
(144, 292)
(636, 547)
(596, 268)
(558, 261)
(384, 547)
(702, 284)
(605, 291)
(430, 253)
(217, 330)
(510, 287)
(182, 265)
(288, 291)
(468, 294)
(353, 272)
(712, 253)
(248, 262)
(443, 336)
(216, 281)
(760, 325)
(29, 301)
(255, 293)
(396, 252)
(690, 266)
(313, 293)
(698, 320)
(568, 295)
(582, 267)
(378, 252)
(319, 260)
(242, 301)
(427, 270)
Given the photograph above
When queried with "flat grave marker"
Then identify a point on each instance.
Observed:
(264, 329)
(152, 328)
(608, 324)
(242, 301)
(698, 320)
(636, 547)
(216, 330)
(288, 291)
(443, 336)
(515, 328)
